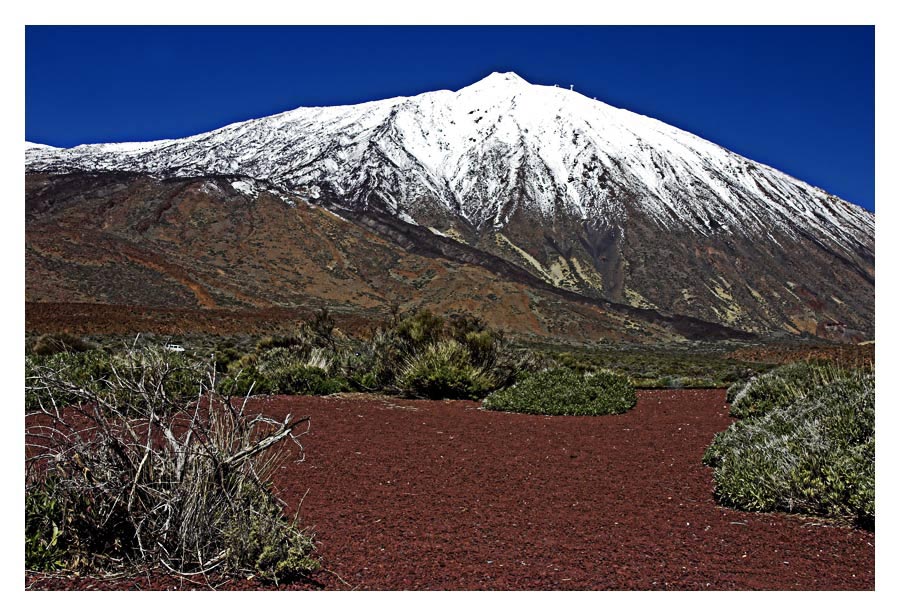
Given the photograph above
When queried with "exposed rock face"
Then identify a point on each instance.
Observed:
(585, 197)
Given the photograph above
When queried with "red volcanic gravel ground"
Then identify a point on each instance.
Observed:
(442, 495)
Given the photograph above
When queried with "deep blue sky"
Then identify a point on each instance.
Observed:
(801, 99)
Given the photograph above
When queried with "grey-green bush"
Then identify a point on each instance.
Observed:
(566, 392)
(781, 386)
(814, 456)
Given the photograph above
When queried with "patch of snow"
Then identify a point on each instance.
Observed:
(406, 218)
(242, 186)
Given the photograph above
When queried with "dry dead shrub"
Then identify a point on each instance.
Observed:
(136, 475)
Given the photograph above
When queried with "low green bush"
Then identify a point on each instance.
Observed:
(815, 455)
(45, 547)
(420, 330)
(734, 389)
(444, 370)
(566, 392)
(94, 369)
(428, 356)
(283, 370)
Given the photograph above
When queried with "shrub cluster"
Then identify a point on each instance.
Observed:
(418, 355)
(49, 344)
(813, 453)
(425, 355)
(566, 392)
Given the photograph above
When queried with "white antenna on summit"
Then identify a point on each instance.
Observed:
(571, 87)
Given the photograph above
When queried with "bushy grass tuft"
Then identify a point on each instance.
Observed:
(566, 392)
(50, 344)
(284, 370)
(445, 370)
(815, 455)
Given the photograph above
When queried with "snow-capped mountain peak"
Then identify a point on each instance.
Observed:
(488, 150)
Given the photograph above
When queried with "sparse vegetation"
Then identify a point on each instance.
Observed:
(663, 368)
(566, 392)
(49, 344)
(806, 444)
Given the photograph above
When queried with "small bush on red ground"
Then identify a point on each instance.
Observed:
(565, 392)
(427, 356)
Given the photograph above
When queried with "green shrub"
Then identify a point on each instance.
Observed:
(734, 389)
(93, 370)
(565, 392)
(420, 330)
(444, 370)
(224, 357)
(815, 455)
(426, 355)
(781, 386)
(44, 542)
(321, 329)
(280, 370)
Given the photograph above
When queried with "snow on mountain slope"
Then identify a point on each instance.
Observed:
(488, 149)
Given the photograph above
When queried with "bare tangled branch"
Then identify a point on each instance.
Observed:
(154, 467)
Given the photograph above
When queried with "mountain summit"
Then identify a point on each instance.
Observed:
(593, 199)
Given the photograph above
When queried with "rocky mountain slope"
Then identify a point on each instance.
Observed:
(590, 199)
(116, 252)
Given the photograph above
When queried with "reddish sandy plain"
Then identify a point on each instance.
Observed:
(412, 495)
